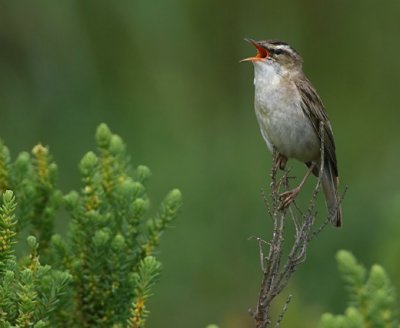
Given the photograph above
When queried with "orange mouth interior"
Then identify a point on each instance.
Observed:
(262, 53)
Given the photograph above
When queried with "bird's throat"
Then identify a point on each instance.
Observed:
(266, 76)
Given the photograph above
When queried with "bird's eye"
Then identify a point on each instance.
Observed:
(279, 51)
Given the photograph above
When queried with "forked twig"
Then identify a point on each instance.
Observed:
(277, 270)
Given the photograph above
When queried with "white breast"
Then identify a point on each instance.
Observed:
(282, 122)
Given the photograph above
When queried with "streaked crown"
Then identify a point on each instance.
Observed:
(281, 52)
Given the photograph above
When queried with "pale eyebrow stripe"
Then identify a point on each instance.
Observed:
(284, 47)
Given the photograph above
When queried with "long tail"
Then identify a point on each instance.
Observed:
(330, 187)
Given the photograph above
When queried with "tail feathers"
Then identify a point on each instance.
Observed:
(330, 188)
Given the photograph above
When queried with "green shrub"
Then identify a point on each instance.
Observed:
(372, 299)
(100, 273)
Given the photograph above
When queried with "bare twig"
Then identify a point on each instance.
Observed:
(261, 242)
(277, 270)
(285, 307)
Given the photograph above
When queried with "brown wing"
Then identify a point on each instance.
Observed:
(314, 109)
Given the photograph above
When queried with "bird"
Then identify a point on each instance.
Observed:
(293, 120)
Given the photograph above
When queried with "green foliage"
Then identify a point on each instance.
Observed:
(103, 270)
(372, 299)
(29, 291)
(7, 233)
(145, 278)
(33, 181)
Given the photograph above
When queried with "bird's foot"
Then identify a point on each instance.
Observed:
(280, 162)
(287, 197)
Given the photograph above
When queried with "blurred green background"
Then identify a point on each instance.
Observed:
(164, 74)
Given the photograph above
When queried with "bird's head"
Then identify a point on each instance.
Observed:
(278, 53)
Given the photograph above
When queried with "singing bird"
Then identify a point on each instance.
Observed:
(290, 112)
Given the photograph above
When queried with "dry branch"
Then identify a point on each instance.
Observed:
(277, 269)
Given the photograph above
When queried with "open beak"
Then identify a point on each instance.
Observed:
(262, 53)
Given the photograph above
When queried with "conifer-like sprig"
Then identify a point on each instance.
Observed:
(372, 297)
(47, 198)
(147, 275)
(169, 210)
(8, 224)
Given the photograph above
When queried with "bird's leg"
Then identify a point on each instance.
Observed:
(288, 196)
(280, 161)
